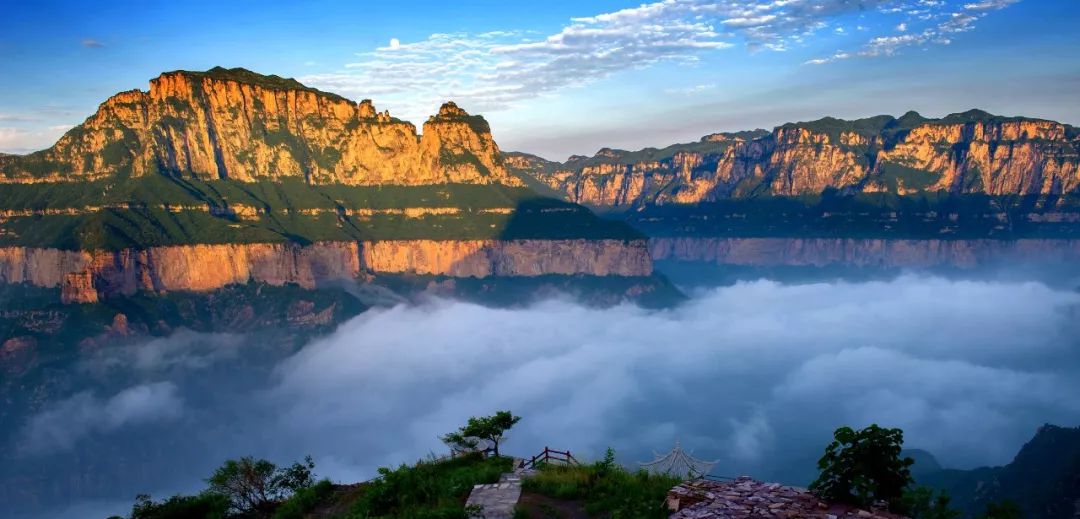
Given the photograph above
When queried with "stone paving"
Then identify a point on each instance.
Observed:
(497, 500)
(748, 498)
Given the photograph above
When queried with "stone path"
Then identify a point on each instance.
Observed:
(498, 499)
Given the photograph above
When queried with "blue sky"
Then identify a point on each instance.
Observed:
(561, 77)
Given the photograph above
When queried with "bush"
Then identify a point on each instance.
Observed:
(305, 500)
(208, 506)
(923, 503)
(606, 487)
(256, 486)
(1003, 510)
(429, 489)
(862, 467)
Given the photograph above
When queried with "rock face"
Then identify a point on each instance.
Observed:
(87, 276)
(746, 497)
(235, 124)
(861, 252)
(483, 258)
(970, 152)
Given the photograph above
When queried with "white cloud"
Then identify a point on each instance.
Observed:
(943, 24)
(692, 90)
(494, 70)
(753, 374)
(757, 374)
(395, 44)
(25, 140)
(64, 423)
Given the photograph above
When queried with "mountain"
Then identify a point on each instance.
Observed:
(967, 190)
(236, 124)
(226, 176)
(1043, 478)
(969, 152)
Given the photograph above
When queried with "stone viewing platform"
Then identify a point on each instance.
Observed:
(747, 497)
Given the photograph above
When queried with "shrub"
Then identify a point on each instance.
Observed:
(606, 487)
(208, 506)
(864, 466)
(429, 489)
(923, 503)
(1003, 510)
(255, 486)
(305, 500)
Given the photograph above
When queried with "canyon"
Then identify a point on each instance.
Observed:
(227, 177)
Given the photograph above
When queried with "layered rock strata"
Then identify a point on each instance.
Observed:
(87, 276)
(861, 252)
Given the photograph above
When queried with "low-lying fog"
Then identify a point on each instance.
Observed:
(756, 375)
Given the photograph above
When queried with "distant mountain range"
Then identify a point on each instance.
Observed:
(1043, 479)
(973, 152)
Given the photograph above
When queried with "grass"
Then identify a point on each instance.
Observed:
(605, 488)
(427, 490)
(304, 501)
(135, 217)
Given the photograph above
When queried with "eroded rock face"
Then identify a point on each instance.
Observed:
(963, 153)
(483, 258)
(886, 253)
(86, 276)
(239, 125)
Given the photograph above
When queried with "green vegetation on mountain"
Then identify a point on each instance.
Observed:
(935, 215)
(134, 214)
(1043, 480)
(243, 75)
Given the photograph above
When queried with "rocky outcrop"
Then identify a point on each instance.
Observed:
(887, 253)
(971, 152)
(87, 276)
(235, 124)
(746, 497)
(483, 258)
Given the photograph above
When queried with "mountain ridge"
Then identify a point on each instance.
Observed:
(963, 152)
(240, 125)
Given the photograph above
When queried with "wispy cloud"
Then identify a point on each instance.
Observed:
(64, 423)
(24, 140)
(494, 70)
(91, 43)
(940, 23)
(17, 118)
(691, 90)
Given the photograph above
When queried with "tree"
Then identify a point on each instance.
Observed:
(862, 467)
(254, 486)
(923, 503)
(491, 428)
(204, 506)
(1003, 510)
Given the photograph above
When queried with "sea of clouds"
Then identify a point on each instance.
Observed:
(755, 375)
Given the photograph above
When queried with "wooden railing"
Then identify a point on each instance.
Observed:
(550, 456)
